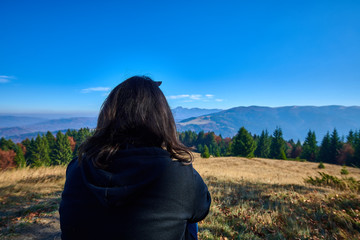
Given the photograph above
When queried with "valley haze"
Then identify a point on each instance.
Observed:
(295, 121)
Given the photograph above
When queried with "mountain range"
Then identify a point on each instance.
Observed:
(19, 127)
(295, 121)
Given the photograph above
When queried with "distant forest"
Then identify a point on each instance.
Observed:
(48, 150)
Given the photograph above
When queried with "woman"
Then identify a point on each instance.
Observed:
(133, 179)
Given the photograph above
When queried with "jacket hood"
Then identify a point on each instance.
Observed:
(131, 171)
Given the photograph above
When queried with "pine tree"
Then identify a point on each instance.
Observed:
(20, 157)
(324, 153)
(7, 144)
(310, 149)
(52, 144)
(263, 146)
(205, 153)
(63, 153)
(30, 151)
(335, 146)
(244, 144)
(217, 152)
(41, 152)
(350, 138)
(199, 148)
(356, 146)
(277, 148)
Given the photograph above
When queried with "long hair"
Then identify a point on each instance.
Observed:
(134, 114)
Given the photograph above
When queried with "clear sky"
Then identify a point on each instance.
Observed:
(64, 56)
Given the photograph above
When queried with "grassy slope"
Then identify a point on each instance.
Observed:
(252, 199)
(268, 199)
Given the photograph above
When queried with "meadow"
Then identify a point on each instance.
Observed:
(251, 199)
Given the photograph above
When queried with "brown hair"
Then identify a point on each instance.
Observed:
(136, 114)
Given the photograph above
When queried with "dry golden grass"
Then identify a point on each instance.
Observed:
(27, 198)
(268, 199)
(265, 170)
(32, 180)
(251, 199)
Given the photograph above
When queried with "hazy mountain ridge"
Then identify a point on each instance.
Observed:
(181, 113)
(52, 125)
(21, 127)
(9, 121)
(295, 121)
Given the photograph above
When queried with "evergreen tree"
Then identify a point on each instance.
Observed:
(52, 145)
(350, 138)
(217, 152)
(41, 152)
(263, 146)
(277, 147)
(7, 144)
(205, 153)
(310, 148)
(335, 146)
(20, 157)
(356, 145)
(199, 148)
(229, 149)
(200, 138)
(325, 152)
(30, 151)
(244, 144)
(63, 153)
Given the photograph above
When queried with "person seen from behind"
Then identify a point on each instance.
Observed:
(132, 178)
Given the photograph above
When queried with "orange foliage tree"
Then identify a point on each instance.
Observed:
(72, 143)
(7, 159)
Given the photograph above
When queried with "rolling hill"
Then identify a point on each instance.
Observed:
(295, 121)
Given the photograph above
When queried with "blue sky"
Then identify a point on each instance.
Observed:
(64, 56)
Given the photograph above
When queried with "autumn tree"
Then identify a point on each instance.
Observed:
(7, 159)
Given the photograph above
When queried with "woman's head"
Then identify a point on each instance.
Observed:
(136, 114)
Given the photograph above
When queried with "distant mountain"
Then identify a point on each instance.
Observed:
(181, 113)
(295, 121)
(27, 130)
(21, 127)
(20, 137)
(16, 121)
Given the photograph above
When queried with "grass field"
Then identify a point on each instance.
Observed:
(252, 199)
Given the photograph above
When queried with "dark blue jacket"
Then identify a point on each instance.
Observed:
(146, 195)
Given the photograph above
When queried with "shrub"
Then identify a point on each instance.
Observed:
(321, 165)
(327, 180)
(344, 171)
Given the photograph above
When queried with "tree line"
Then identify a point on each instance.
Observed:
(48, 150)
(332, 149)
(44, 150)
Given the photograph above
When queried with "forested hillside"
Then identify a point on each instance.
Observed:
(47, 149)
(294, 120)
